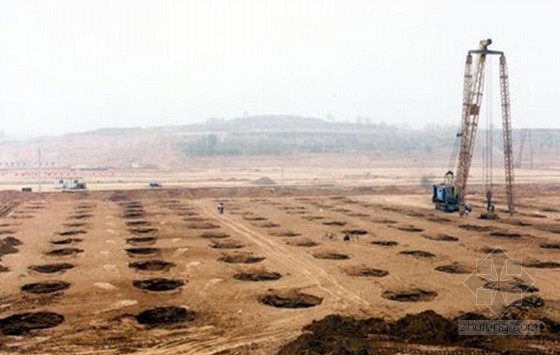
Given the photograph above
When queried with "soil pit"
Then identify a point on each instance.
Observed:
(257, 275)
(7, 246)
(254, 218)
(141, 240)
(417, 253)
(80, 216)
(335, 223)
(215, 235)
(364, 271)
(241, 259)
(72, 232)
(203, 226)
(4, 268)
(453, 269)
(288, 234)
(385, 243)
(142, 230)
(411, 229)
(23, 323)
(355, 231)
(66, 241)
(151, 265)
(510, 235)
(45, 287)
(230, 244)
(303, 243)
(137, 223)
(550, 245)
(413, 295)
(542, 264)
(162, 316)
(330, 256)
(384, 221)
(268, 225)
(64, 251)
(158, 284)
(475, 228)
(142, 251)
(441, 237)
(75, 225)
(51, 268)
(290, 299)
(133, 215)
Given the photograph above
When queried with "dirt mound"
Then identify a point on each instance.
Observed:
(51, 268)
(206, 225)
(133, 215)
(80, 216)
(355, 231)
(365, 271)
(142, 230)
(8, 246)
(215, 235)
(23, 323)
(384, 221)
(330, 256)
(475, 228)
(417, 253)
(453, 269)
(66, 241)
(75, 225)
(303, 243)
(45, 287)
(141, 240)
(241, 258)
(158, 284)
(64, 251)
(542, 264)
(385, 243)
(230, 244)
(151, 265)
(290, 299)
(268, 225)
(335, 223)
(514, 285)
(72, 232)
(4, 268)
(412, 295)
(257, 275)
(427, 327)
(410, 228)
(441, 237)
(510, 235)
(288, 234)
(264, 181)
(162, 316)
(142, 251)
(137, 223)
(550, 245)
(254, 218)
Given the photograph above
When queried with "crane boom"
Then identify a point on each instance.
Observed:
(450, 195)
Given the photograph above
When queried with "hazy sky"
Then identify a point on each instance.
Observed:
(76, 65)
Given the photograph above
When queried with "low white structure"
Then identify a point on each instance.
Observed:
(69, 184)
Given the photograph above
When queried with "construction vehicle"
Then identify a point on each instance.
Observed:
(449, 196)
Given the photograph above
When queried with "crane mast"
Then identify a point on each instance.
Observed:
(450, 195)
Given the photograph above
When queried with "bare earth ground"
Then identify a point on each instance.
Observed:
(207, 265)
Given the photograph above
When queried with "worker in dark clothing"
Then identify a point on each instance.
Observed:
(221, 208)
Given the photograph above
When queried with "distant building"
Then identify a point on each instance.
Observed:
(69, 184)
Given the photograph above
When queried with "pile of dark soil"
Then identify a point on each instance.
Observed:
(142, 251)
(335, 223)
(72, 232)
(45, 287)
(75, 225)
(141, 240)
(268, 225)
(453, 269)
(336, 334)
(384, 221)
(385, 243)
(475, 228)
(142, 230)
(254, 218)
(503, 234)
(23, 323)
(158, 284)
(151, 265)
(303, 243)
(365, 271)
(410, 228)
(8, 246)
(205, 225)
(66, 241)
(64, 251)
(542, 264)
(417, 253)
(355, 231)
(514, 285)
(412, 295)
(241, 258)
(550, 245)
(4, 268)
(441, 237)
(162, 316)
(230, 244)
(215, 235)
(133, 215)
(257, 275)
(80, 216)
(290, 299)
(330, 256)
(137, 223)
(288, 234)
(51, 268)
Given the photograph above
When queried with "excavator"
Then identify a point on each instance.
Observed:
(449, 196)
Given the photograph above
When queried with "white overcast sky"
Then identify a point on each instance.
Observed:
(77, 65)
